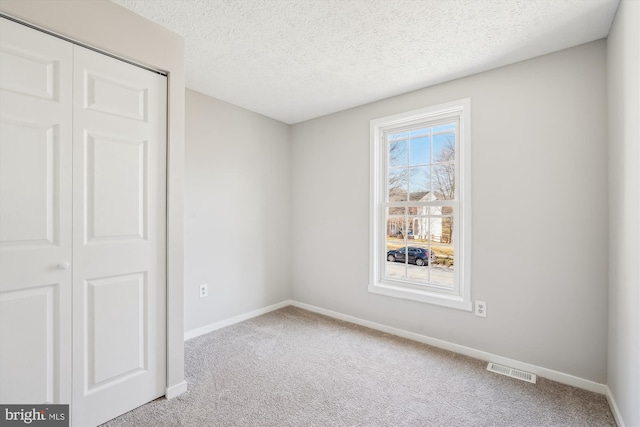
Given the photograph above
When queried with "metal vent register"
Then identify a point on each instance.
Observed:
(510, 372)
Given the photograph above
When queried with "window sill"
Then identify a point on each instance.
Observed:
(402, 292)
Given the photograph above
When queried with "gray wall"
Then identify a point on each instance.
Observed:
(539, 177)
(237, 210)
(623, 59)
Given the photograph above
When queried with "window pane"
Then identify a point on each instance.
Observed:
(443, 268)
(444, 148)
(395, 210)
(398, 185)
(395, 229)
(444, 181)
(432, 225)
(418, 269)
(398, 153)
(441, 243)
(419, 182)
(419, 151)
(396, 269)
(440, 224)
(447, 210)
(407, 261)
(396, 247)
(417, 224)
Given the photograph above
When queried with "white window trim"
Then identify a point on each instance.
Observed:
(377, 284)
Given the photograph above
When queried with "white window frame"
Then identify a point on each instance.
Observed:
(460, 297)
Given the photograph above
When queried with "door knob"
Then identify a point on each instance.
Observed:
(64, 266)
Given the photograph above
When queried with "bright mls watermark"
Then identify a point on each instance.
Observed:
(34, 415)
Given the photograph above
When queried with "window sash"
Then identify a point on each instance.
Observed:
(384, 143)
(455, 287)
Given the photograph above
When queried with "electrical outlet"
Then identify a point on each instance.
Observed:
(204, 290)
(481, 308)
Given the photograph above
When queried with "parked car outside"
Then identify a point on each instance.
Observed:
(417, 256)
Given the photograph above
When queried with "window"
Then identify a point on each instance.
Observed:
(420, 205)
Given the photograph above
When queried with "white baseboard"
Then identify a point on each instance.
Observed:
(614, 407)
(446, 345)
(467, 351)
(236, 319)
(175, 390)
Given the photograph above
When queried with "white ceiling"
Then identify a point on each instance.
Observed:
(294, 60)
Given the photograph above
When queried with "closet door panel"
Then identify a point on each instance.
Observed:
(119, 236)
(29, 373)
(115, 196)
(35, 216)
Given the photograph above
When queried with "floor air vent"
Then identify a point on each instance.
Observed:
(510, 372)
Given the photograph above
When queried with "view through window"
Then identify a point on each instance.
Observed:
(421, 198)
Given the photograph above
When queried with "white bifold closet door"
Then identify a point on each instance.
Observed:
(82, 228)
(35, 216)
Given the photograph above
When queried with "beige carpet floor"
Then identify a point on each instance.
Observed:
(291, 367)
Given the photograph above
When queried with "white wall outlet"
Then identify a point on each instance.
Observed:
(481, 308)
(204, 290)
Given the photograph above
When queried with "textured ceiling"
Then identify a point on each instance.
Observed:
(294, 60)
